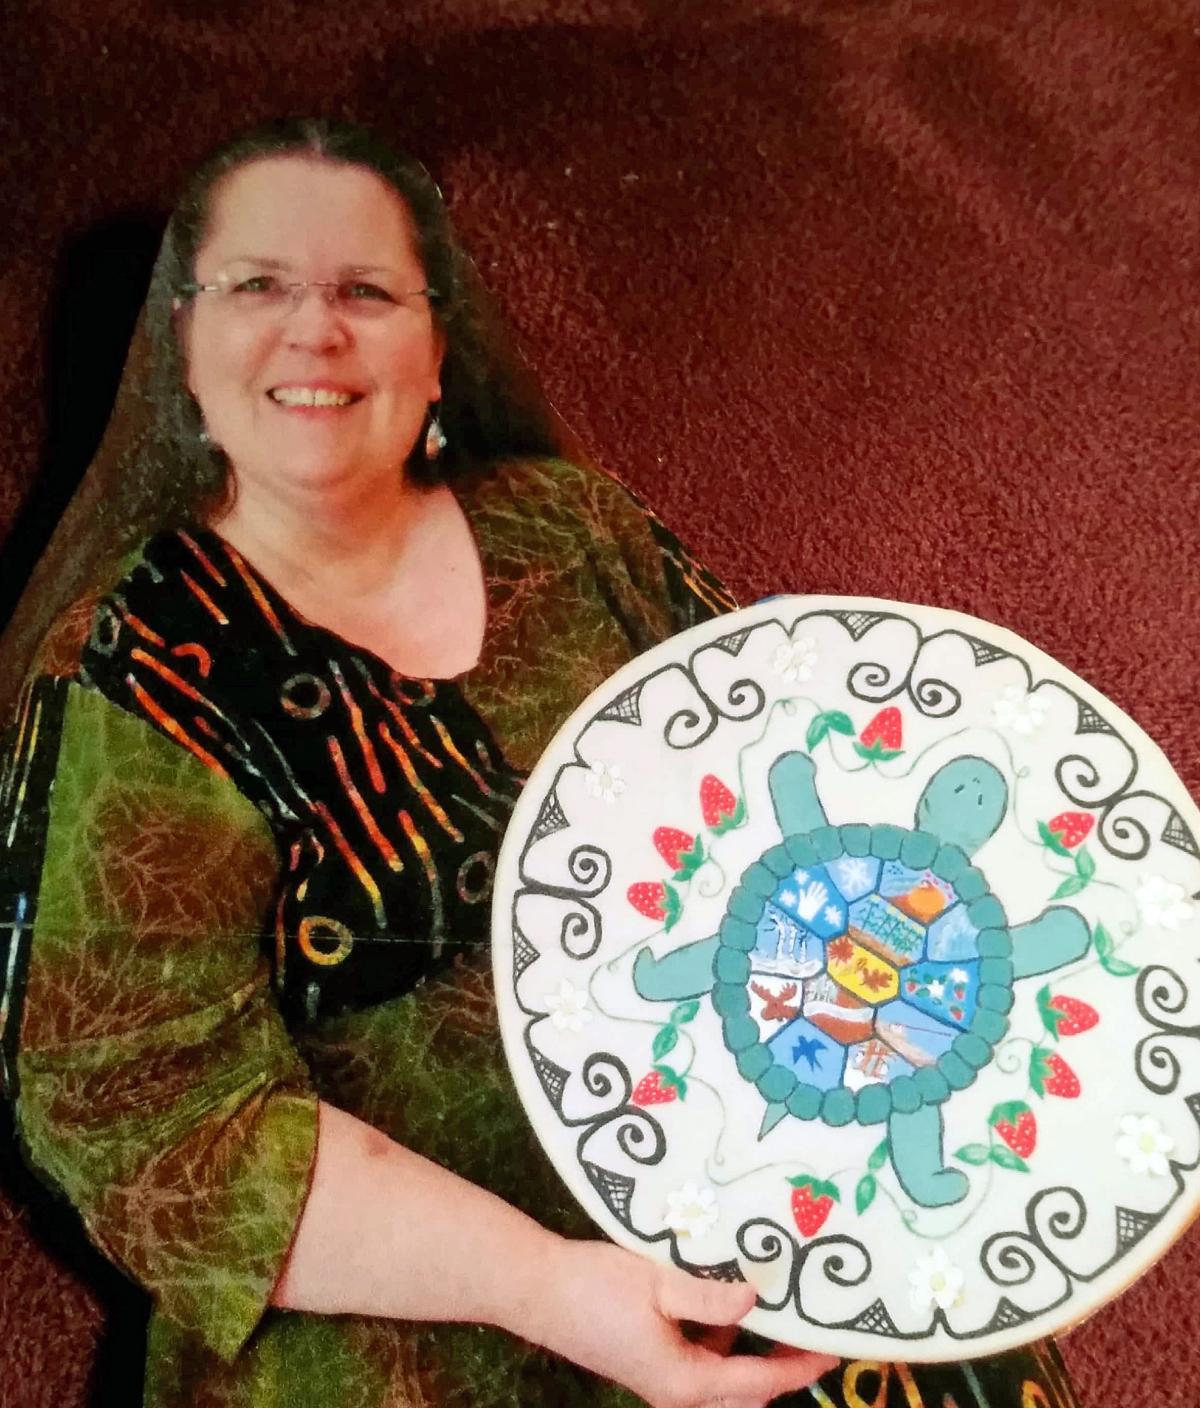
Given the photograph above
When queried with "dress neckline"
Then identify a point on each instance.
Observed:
(464, 498)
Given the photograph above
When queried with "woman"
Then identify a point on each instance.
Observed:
(297, 698)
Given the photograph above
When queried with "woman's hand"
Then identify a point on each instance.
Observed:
(620, 1316)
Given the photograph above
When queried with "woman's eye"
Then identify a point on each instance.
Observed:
(257, 283)
(356, 292)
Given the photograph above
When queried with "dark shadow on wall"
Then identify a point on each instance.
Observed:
(118, 1367)
(102, 280)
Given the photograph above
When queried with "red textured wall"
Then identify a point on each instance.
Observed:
(870, 296)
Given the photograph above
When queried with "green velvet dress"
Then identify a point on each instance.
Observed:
(246, 867)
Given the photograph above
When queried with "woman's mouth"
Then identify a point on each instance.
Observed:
(319, 397)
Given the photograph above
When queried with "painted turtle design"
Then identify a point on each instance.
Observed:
(866, 972)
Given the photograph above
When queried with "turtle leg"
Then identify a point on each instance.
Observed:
(794, 794)
(1057, 937)
(687, 972)
(916, 1144)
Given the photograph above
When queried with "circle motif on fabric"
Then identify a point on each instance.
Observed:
(305, 696)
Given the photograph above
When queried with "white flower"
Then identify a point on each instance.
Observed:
(1162, 903)
(692, 1211)
(604, 780)
(934, 1281)
(959, 975)
(833, 915)
(1144, 1145)
(568, 1008)
(1018, 710)
(936, 988)
(795, 660)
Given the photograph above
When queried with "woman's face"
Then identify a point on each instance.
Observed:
(310, 395)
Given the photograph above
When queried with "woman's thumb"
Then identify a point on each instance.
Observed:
(685, 1297)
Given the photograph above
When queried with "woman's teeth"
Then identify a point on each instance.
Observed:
(309, 396)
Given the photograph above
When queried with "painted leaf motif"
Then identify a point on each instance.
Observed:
(1050, 1018)
(1051, 839)
(672, 1080)
(1038, 1070)
(1085, 863)
(1007, 1159)
(664, 1041)
(1110, 962)
(973, 1153)
(1070, 886)
(670, 903)
(879, 1157)
(816, 732)
(864, 1194)
(684, 1012)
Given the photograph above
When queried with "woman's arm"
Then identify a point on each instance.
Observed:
(387, 1232)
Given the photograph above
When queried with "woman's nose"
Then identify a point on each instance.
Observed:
(312, 319)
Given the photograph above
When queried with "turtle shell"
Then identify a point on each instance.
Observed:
(862, 970)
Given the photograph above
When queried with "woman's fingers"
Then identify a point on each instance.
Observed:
(760, 1380)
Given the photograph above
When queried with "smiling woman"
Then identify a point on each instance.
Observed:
(336, 579)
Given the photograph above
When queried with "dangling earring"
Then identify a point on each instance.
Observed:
(435, 438)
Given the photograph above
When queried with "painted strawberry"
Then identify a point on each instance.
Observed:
(812, 1200)
(648, 897)
(1062, 1080)
(886, 728)
(1071, 828)
(882, 737)
(1014, 1122)
(1049, 1074)
(659, 1086)
(682, 852)
(721, 810)
(1074, 1016)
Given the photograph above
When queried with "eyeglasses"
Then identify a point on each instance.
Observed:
(269, 297)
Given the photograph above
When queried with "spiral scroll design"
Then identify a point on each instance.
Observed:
(873, 682)
(1161, 995)
(1008, 1260)
(766, 1243)
(591, 868)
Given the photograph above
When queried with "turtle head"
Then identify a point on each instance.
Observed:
(964, 803)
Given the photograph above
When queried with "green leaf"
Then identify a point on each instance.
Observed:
(973, 1153)
(672, 1080)
(1084, 864)
(670, 902)
(839, 722)
(864, 1194)
(684, 1012)
(1051, 1017)
(1008, 1113)
(1103, 942)
(870, 753)
(1007, 1159)
(816, 732)
(1107, 951)
(664, 1041)
(690, 861)
(1051, 839)
(732, 821)
(1119, 968)
(817, 1187)
(1038, 1070)
(1070, 886)
(879, 1156)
